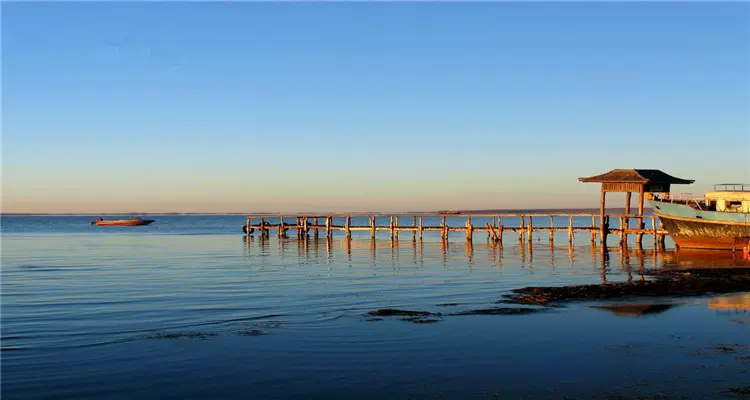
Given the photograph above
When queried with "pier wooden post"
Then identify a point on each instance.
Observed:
(372, 227)
(593, 229)
(392, 230)
(263, 227)
(521, 228)
(641, 224)
(662, 238)
(395, 228)
(653, 226)
(328, 228)
(421, 230)
(247, 226)
(639, 234)
(570, 229)
(304, 227)
(444, 231)
(641, 195)
(627, 203)
(414, 231)
(623, 235)
(281, 227)
(469, 229)
(552, 231)
(602, 222)
(530, 227)
(499, 229)
(315, 221)
(347, 227)
(626, 223)
(626, 220)
(492, 232)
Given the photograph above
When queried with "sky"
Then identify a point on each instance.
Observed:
(257, 107)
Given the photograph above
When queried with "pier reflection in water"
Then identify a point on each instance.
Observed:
(629, 263)
(736, 303)
(732, 304)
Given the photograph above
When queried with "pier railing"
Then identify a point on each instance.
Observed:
(525, 226)
(732, 187)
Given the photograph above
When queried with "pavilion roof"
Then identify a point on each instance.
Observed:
(636, 176)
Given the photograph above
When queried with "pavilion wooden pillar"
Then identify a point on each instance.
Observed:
(625, 221)
(641, 195)
(627, 203)
(641, 225)
(602, 225)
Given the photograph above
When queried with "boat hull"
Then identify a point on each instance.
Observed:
(123, 222)
(709, 230)
(704, 235)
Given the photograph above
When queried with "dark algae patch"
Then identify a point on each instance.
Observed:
(417, 317)
(503, 311)
(251, 332)
(393, 312)
(745, 390)
(660, 396)
(424, 317)
(420, 320)
(183, 335)
(738, 392)
(729, 347)
(663, 283)
(667, 283)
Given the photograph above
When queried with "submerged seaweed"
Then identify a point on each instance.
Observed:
(669, 283)
(251, 332)
(420, 320)
(417, 317)
(181, 335)
(392, 312)
(503, 311)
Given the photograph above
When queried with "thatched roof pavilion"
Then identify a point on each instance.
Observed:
(639, 181)
(620, 180)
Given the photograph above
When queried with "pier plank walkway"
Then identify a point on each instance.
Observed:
(600, 224)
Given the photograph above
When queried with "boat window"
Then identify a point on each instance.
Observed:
(734, 205)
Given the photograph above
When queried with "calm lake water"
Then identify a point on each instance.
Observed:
(188, 308)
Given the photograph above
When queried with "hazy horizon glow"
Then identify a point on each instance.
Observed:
(282, 107)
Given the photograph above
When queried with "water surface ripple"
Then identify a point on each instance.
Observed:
(190, 308)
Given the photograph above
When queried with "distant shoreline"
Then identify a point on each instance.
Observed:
(460, 212)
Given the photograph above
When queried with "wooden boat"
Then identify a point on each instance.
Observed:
(720, 220)
(134, 221)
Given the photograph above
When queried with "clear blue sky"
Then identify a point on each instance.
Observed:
(350, 106)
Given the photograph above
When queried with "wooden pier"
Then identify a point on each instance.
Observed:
(526, 227)
(644, 182)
